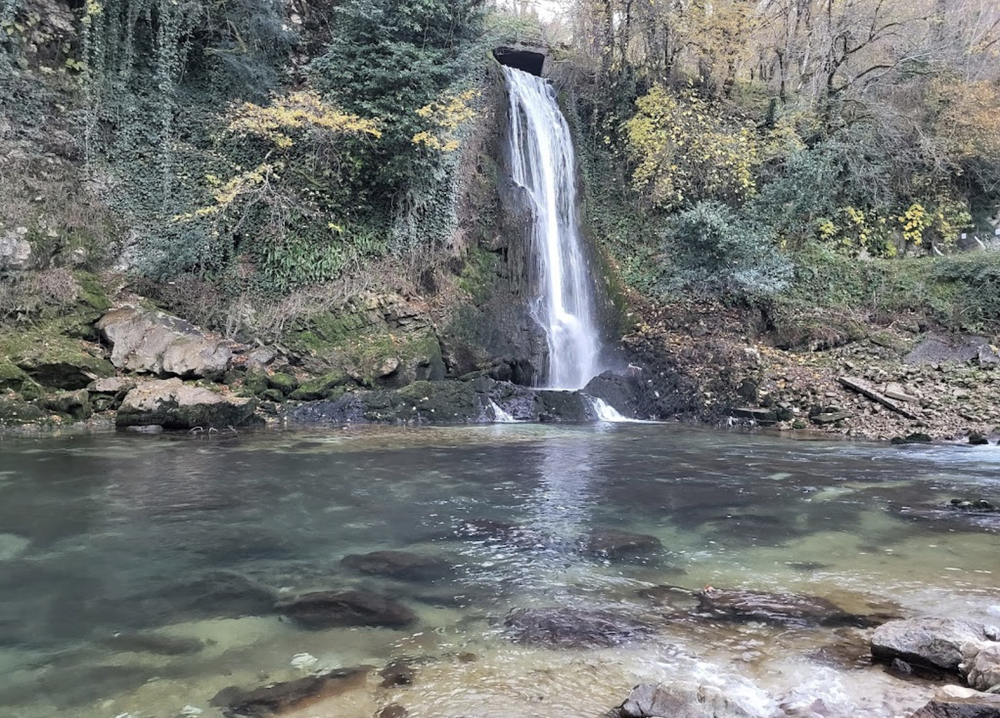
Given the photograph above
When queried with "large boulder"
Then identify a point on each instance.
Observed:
(678, 699)
(956, 702)
(931, 642)
(571, 628)
(152, 342)
(329, 609)
(172, 404)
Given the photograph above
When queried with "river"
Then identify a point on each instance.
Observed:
(129, 564)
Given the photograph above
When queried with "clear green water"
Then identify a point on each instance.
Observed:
(105, 538)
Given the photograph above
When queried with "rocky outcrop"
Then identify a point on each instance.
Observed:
(931, 642)
(172, 404)
(277, 698)
(956, 702)
(571, 628)
(678, 699)
(151, 342)
(398, 564)
(329, 609)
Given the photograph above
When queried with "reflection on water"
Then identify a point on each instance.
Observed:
(138, 574)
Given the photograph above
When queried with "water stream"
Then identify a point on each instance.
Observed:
(543, 162)
(131, 566)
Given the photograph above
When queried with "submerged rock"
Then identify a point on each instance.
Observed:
(678, 699)
(329, 609)
(219, 593)
(398, 564)
(152, 342)
(174, 405)
(776, 608)
(956, 702)
(571, 628)
(612, 543)
(278, 698)
(931, 642)
(397, 673)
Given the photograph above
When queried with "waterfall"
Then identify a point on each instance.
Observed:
(543, 163)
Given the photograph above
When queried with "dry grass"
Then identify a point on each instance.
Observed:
(26, 294)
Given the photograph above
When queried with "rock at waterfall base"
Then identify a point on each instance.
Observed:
(678, 699)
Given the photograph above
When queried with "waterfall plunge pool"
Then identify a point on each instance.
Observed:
(138, 573)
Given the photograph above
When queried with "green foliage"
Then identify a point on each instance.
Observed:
(713, 249)
(388, 60)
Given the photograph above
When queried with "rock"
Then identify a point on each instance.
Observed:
(321, 387)
(151, 342)
(612, 543)
(328, 609)
(74, 403)
(278, 698)
(831, 417)
(960, 349)
(897, 392)
(260, 357)
(981, 666)
(931, 642)
(148, 429)
(914, 438)
(398, 673)
(60, 363)
(255, 382)
(678, 699)
(761, 416)
(172, 404)
(775, 608)
(956, 702)
(15, 251)
(977, 439)
(218, 594)
(14, 412)
(571, 628)
(285, 383)
(975, 505)
(108, 393)
(398, 564)
(393, 710)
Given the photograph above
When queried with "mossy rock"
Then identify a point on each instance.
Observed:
(15, 412)
(284, 383)
(255, 383)
(322, 387)
(274, 395)
(53, 359)
(16, 379)
(74, 404)
(92, 294)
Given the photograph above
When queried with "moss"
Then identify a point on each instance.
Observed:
(273, 395)
(323, 387)
(92, 294)
(255, 383)
(479, 273)
(284, 383)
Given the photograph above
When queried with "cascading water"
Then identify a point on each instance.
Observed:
(543, 163)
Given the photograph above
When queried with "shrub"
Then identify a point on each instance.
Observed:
(713, 249)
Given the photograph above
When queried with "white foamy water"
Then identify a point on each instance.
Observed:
(500, 416)
(605, 412)
(543, 163)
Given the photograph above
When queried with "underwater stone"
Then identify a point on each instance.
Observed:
(329, 609)
(571, 628)
(397, 564)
